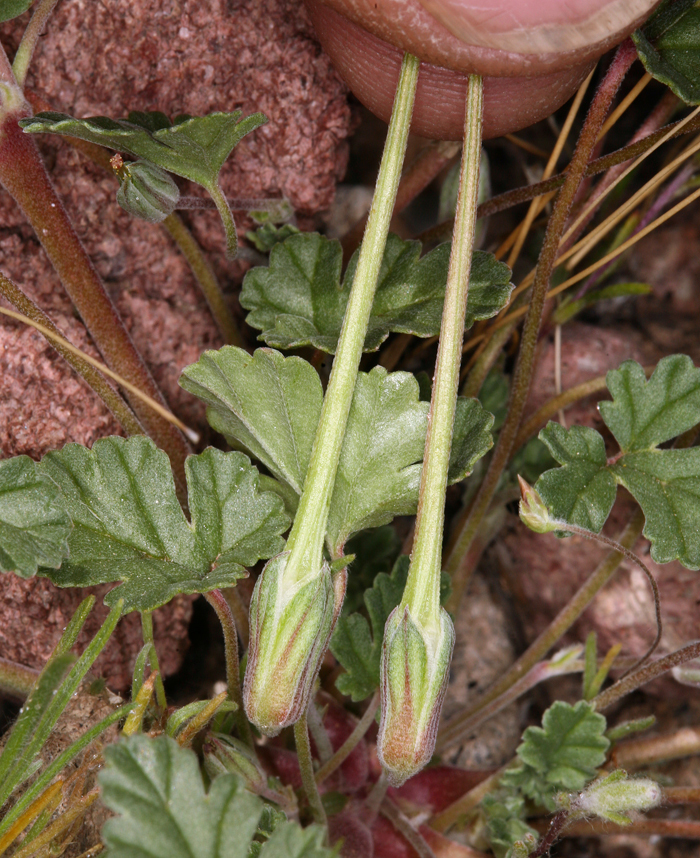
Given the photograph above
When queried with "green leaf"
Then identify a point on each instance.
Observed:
(289, 840)
(194, 147)
(669, 48)
(155, 787)
(156, 790)
(471, 438)
(266, 404)
(299, 299)
(12, 8)
(666, 484)
(505, 820)
(644, 413)
(357, 644)
(129, 527)
(269, 406)
(583, 491)
(563, 754)
(34, 523)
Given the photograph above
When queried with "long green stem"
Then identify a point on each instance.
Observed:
(233, 677)
(522, 374)
(422, 592)
(147, 629)
(30, 38)
(307, 535)
(306, 766)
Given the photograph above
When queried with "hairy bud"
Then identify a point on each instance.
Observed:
(290, 628)
(414, 672)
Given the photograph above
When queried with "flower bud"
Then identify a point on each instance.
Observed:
(290, 628)
(237, 757)
(611, 797)
(414, 671)
(147, 191)
(533, 510)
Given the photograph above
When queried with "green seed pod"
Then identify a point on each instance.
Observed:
(414, 671)
(147, 191)
(290, 628)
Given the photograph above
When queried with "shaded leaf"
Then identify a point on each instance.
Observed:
(583, 491)
(299, 299)
(471, 437)
(194, 147)
(155, 788)
(375, 551)
(34, 523)
(266, 404)
(669, 47)
(290, 840)
(564, 753)
(129, 527)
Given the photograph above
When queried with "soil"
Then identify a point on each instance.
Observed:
(96, 59)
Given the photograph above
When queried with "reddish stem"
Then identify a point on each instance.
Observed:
(23, 175)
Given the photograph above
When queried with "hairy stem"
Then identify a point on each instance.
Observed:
(147, 630)
(233, 674)
(30, 38)
(306, 766)
(422, 591)
(640, 677)
(308, 532)
(522, 374)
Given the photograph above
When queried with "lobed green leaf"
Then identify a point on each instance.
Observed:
(13, 8)
(665, 483)
(563, 754)
(299, 299)
(582, 491)
(267, 405)
(156, 789)
(129, 527)
(34, 523)
(669, 48)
